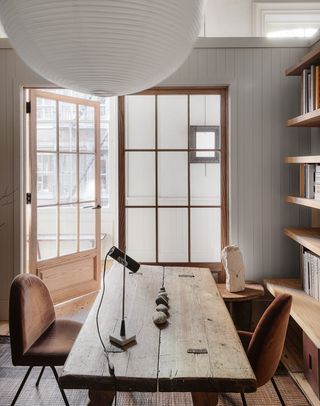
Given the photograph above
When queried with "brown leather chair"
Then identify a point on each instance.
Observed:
(265, 345)
(37, 338)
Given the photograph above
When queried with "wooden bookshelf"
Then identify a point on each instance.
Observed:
(314, 159)
(302, 201)
(311, 119)
(305, 309)
(307, 237)
(312, 57)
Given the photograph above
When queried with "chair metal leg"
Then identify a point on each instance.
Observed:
(244, 402)
(21, 386)
(278, 392)
(39, 377)
(61, 390)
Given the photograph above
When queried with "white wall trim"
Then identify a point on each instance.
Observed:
(5, 43)
(252, 42)
(262, 10)
(239, 42)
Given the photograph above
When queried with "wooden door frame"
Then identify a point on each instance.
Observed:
(38, 266)
(223, 92)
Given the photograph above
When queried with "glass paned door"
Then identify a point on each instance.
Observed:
(65, 198)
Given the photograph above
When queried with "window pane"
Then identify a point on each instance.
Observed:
(104, 178)
(68, 178)
(205, 186)
(46, 124)
(205, 229)
(205, 110)
(140, 122)
(68, 229)
(87, 176)
(173, 121)
(67, 127)
(86, 129)
(47, 232)
(173, 235)
(140, 178)
(173, 178)
(46, 179)
(87, 226)
(141, 234)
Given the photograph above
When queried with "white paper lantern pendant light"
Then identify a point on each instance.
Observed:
(103, 47)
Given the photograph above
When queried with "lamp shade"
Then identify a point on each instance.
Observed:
(102, 47)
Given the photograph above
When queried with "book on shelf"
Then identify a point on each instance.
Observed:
(311, 274)
(309, 180)
(312, 181)
(310, 92)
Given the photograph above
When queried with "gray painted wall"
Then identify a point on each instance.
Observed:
(261, 99)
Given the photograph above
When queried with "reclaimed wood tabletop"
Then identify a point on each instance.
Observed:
(197, 351)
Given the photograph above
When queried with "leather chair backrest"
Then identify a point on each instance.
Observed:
(266, 345)
(31, 312)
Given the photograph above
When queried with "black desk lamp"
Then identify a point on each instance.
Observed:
(122, 340)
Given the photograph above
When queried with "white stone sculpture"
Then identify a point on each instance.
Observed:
(233, 264)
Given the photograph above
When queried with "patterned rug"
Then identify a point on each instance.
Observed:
(47, 394)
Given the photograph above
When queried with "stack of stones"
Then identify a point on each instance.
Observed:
(160, 316)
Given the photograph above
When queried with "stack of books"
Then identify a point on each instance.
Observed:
(310, 94)
(317, 182)
(312, 181)
(311, 274)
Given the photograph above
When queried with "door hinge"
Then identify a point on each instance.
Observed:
(28, 198)
(28, 107)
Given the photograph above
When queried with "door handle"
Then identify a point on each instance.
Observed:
(92, 207)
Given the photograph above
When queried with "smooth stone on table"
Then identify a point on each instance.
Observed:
(162, 308)
(159, 318)
(164, 295)
(162, 300)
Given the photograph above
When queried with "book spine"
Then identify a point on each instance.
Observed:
(312, 88)
(317, 84)
(305, 272)
(309, 180)
(304, 91)
(309, 108)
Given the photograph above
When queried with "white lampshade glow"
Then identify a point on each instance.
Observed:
(102, 47)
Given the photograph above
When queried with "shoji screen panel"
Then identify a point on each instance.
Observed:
(172, 176)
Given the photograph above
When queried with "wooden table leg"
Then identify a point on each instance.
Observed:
(101, 398)
(204, 398)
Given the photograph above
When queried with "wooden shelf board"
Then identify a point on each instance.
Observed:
(305, 309)
(292, 352)
(308, 237)
(302, 201)
(311, 119)
(311, 58)
(313, 159)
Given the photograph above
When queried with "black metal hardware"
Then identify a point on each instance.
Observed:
(28, 107)
(92, 207)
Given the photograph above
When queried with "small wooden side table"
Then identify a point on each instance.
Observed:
(241, 313)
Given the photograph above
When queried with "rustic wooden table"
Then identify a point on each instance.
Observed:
(199, 320)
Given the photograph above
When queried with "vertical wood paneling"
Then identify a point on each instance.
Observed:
(13, 75)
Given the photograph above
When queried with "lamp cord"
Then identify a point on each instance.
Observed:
(106, 352)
